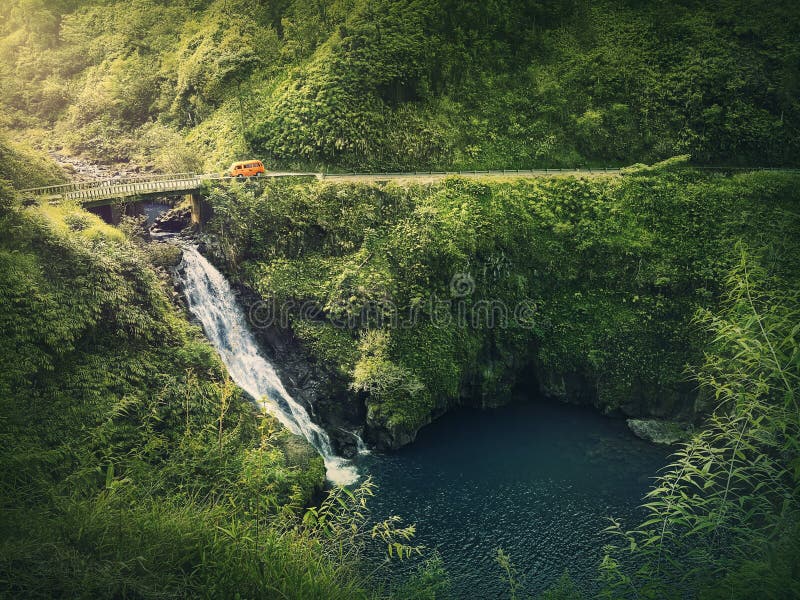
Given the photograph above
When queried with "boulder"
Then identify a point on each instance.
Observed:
(661, 432)
(173, 220)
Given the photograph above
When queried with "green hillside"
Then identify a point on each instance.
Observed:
(132, 467)
(409, 84)
(130, 464)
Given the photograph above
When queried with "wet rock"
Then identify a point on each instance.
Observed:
(660, 431)
(323, 394)
(174, 220)
(569, 387)
(636, 400)
(389, 435)
(86, 170)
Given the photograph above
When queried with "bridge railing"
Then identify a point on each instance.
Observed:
(142, 185)
(136, 188)
(77, 186)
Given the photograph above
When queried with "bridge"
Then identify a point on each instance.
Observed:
(108, 191)
(120, 191)
(109, 197)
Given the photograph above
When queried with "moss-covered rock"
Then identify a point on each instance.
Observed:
(661, 432)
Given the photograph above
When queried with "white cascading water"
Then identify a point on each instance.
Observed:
(212, 301)
(361, 447)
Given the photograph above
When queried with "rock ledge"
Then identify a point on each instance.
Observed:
(661, 432)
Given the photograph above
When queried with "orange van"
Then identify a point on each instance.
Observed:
(248, 168)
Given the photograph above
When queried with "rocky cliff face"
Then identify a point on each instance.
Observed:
(494, 384)
(324, 394)
(497, 373)
(173, 220)
(343, 412)
(635, 400)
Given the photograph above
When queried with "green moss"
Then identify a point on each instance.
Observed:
(334, 347)
(608, 270)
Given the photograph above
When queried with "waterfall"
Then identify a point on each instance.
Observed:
(361, 446)
(212, 301)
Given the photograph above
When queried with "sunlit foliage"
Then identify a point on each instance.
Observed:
(412, 84)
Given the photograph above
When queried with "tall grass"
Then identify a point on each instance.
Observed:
(723, 519)
(130, 464)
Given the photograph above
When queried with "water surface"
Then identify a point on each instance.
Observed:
(536, 478)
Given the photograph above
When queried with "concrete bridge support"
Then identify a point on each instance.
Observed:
(113, 213)
(201, 210)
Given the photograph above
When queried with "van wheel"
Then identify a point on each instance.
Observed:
(259, 174)
(239, 176)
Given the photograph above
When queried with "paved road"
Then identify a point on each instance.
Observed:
(109, 190)
(430, 176)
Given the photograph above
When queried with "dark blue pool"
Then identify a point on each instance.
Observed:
(537, 479)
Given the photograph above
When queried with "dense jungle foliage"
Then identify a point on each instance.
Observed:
(636, 287)
(409, 84)
(130, 465)
(590, 284)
